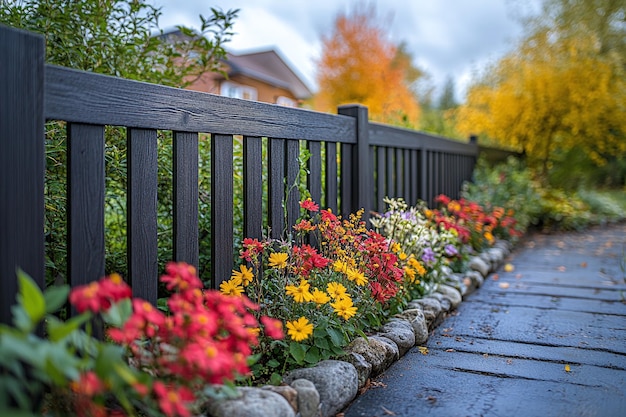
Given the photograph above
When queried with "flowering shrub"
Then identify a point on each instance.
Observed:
(423, 248)
(473, 223)
(324, 297)
(206, 338)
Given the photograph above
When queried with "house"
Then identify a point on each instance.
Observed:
(261, 76)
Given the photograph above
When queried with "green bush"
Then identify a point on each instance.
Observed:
(514, 186)
(510, 185)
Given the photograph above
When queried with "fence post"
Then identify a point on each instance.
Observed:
(362, 176)
(22, 163)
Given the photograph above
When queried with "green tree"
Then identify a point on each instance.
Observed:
(120, 38)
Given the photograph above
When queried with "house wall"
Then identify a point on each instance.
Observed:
(210, 83)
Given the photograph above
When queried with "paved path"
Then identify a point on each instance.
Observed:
(548, 339)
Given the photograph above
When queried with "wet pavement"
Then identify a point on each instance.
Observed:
(547, 339)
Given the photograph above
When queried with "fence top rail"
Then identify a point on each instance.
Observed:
(84, 97)
(391, 136)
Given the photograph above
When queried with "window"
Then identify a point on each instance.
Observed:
(234, 90)
(286, 101)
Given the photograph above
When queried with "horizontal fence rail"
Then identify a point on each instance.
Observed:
(352, 164)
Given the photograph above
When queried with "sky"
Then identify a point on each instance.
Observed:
(447, 38)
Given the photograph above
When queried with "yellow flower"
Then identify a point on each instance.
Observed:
(419, 268)
(402, 256)
(244, 275)
(299, 329)
(340, 266)
(344, 308)
(231, 287)
(395, 247)
(357, 277)
(300, 293)
(320, 297)
(410, 273)
(489, 237)
(336, 290)
(278, 260)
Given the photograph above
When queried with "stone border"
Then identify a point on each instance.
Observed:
(330, 386)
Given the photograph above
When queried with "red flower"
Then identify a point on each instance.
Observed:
(443, 199)
(273, 327)
(88, 384)
(252, 247)
(114, 288)
(328, 216)
(181, 276)
(87, 297)
(173, 401)
(309, 205)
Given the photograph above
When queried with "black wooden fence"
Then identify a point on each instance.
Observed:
(362, 162)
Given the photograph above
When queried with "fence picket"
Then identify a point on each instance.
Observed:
(142, 213)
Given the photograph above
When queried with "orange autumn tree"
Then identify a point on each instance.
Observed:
(359, 64)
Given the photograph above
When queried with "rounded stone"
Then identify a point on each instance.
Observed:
(363, 367)
(451, 294)
(378, 351)
(401, 332)
(478, 264)
(415, 317)
(252, 402)
(337, 383)
(308, 398)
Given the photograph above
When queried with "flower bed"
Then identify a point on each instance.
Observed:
(337, 289)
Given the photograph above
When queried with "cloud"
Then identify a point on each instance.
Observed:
(446, 37)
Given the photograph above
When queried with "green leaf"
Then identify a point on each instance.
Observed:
(108, 355)
(312, 355)
(252, 359)
(336, 337)
(58, 330)
(55, 296)
(119, 313)
(273, 363)
(276, 379)
(322, 343)
(30, 298)
(297, 351)
(20, 319)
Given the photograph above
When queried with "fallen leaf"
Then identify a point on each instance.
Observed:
(567, 368)
(560, 244)
(467, 282)
(388, 412)
(450, 350)
(504, 285)
(485, 355)
(423, 350)
(509, 268)
(495, 277)
(584, 264)
(431, 399)
(561, 268)
(509, 361)
(518, 276)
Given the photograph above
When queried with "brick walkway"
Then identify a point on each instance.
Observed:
(548, 339)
